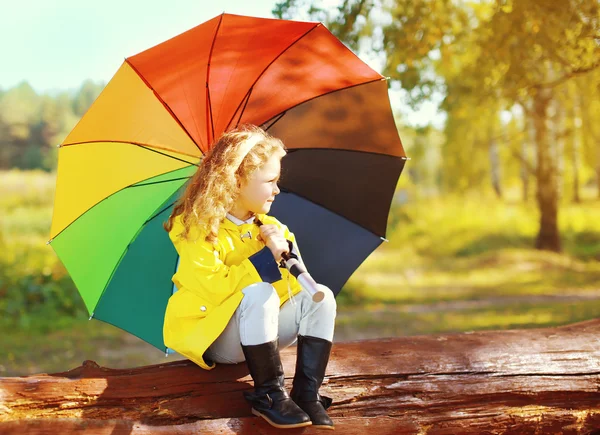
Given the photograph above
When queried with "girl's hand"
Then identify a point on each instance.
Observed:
(272, 235)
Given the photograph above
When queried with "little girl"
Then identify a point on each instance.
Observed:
(236, 301)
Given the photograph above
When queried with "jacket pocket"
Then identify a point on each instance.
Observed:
(185, 303)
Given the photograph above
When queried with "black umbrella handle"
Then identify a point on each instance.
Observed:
(295, 267)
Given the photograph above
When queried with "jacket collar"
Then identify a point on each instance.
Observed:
(239, 225)
(237, 221)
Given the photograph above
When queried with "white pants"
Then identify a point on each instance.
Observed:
(258, 319)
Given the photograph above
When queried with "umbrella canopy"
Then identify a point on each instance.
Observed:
(126, 162)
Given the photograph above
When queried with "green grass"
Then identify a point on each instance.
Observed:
(393, 321)
(464, 250)
(507, 272)
(451, 264)
(29, 350)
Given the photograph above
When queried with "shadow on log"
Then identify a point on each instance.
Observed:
(542, 381)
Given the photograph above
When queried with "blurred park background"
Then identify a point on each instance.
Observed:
(495, 223)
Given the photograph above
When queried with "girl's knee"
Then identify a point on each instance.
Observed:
(329, 299)
(261, 294)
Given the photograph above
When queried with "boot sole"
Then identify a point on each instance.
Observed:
(280, 426)
(323, 426)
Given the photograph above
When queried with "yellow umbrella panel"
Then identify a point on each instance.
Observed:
(119, 173)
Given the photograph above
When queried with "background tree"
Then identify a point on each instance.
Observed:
(31, 125)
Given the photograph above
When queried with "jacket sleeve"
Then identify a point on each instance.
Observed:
(201, 270)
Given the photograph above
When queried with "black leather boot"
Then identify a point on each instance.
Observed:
(311, 361)
(270, 400)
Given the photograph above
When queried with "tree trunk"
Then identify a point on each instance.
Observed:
(558, 142)
(524, 172)
(543, 381)
(598, 173)
(495, 167)
(528, 148)
(576, 142)
(590, 132)
(548, 236)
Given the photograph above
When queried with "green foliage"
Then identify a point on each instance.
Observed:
(425, 147)
(350, 21)
(476, 247)
(299, 10)
(32, 125)
(466, 263)
(35, 290)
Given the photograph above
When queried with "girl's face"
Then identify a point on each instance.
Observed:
(259, 193)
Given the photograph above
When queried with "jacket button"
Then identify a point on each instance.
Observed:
(202, 308)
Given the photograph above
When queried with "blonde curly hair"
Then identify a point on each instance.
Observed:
(215, 187)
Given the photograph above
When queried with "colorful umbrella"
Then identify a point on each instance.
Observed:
(127, 160)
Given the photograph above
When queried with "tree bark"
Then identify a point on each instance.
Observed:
(590, 132)
(501, 382)
(495, 165)
(576, 142)
(528, 148)
(548, 237)
(598, 174)
(558, 141)
(524, 171)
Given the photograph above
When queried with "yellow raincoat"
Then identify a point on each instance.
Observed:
(210, 283)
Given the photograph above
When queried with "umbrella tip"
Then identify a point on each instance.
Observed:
(91, 316)
(384, 239)
(48, 242)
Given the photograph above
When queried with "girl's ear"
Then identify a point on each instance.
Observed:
(239, 182)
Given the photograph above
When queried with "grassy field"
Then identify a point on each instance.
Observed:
(454, 264)
(462, 264)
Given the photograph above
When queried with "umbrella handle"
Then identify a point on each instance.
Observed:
(299, 271)
(306, 281)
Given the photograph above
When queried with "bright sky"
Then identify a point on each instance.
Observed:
(57, 44)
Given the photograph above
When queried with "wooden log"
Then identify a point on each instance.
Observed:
(541, 381)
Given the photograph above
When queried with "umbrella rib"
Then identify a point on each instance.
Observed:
(167, 155)
(276, 120)
(158, 182)
(122, 329)
(265, 69)
(157, 214)
(208, 102)
(114, 193)
(141, 145)
(245, 104)
(162, 102)
(291, 150)
(121, 259)
(212, 125)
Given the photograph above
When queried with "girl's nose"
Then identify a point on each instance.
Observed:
(276, 191)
